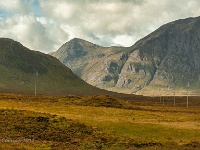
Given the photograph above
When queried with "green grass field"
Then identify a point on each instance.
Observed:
(95, 122)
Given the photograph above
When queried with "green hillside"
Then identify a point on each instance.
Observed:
(22, 69)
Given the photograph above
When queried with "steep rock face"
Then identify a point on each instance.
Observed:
(105, 72)
(174, 53)
(136, 72)
(167, 58)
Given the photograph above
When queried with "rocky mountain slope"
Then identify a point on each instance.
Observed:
(99, 66)
(167, 59)
(171, 55)
(21, 69)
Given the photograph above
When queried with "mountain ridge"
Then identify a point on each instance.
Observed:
(167, 58)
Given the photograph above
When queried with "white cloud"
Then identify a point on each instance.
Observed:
(113, 22)
(114, 19)
(10, 5)
(125, 40)
(32, 33)
(14, 6)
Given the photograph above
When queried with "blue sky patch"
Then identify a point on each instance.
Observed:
(35, 8)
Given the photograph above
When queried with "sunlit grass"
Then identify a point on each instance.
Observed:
(142, 123)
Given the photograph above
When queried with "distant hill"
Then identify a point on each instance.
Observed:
(166, 60)
(21, 68)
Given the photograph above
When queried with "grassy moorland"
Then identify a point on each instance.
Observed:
(97, 122)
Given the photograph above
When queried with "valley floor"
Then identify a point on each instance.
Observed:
(95, 127)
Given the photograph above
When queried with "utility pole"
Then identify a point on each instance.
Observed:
(173, 88)
(174, 99)
(160, 98)
(187, 98)
(188, 85)
(163, 101)
(36, 83)
(35, 89)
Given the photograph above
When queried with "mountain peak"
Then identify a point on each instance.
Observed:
(81, 42)
(5, 39)
(8, 41)
(77, 39)
(73, 49)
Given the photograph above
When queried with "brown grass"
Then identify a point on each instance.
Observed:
(148, 127)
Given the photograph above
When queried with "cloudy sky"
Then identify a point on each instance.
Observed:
(45, 25)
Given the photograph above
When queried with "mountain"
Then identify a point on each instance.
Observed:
(166, 60)
(21, 69)
(170, 57)
(99, 66)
